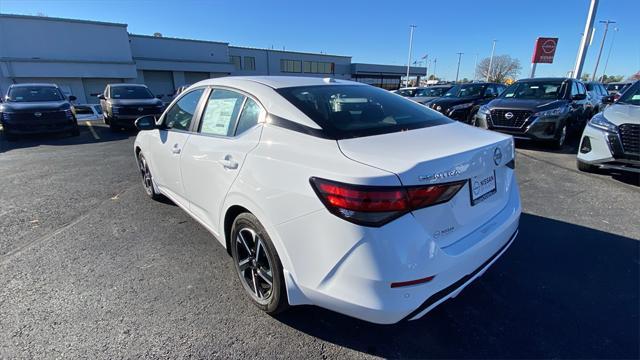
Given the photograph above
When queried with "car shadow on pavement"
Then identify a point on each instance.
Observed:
(561, 290)
(88, 134)
(570, 147)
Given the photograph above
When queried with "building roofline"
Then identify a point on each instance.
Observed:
(288, 52)
(48, 18)
(179, 39)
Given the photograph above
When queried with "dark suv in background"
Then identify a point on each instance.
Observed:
(462, 102)
(37, 108)
(122, 104)
(596, 93)
(545, 109)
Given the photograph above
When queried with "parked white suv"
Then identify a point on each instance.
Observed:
(335, 193)
(611, 139)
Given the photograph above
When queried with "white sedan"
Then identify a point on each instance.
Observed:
(335, 193)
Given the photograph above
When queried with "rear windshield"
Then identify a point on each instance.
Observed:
(130, 92)
(347, 111)
(534, 90)
(34, 94)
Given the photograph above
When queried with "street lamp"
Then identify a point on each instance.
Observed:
(458, 71)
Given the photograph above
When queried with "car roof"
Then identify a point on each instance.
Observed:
(34, 84)
(277, 82)
(126, 84)
(547, 79)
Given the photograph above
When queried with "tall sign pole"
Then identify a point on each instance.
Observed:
(604, 36)
(493, 49)
(586, 39)
(411, 27)
(458, 71)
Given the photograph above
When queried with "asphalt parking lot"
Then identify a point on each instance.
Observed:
(91, 268)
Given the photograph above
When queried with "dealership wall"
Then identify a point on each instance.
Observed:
(83, 56)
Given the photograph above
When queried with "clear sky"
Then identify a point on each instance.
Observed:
(378, 31)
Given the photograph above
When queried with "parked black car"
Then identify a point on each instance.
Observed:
(122, 104)
(596, 92)
(545, 109)
(37, 108)
(462, 102)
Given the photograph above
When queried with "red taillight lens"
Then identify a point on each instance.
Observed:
(377, 205)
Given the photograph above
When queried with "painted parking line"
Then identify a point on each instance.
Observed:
(93, 132)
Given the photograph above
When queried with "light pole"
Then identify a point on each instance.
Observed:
(586, 39)
(411, 27)
(606, 63)
(493, 49)
(475, 68)
(458, 71)
(435, 62)
(604, 37)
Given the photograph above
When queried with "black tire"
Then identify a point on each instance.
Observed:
(471, 119)
(561, 136)
(147, 178)
(257, 264)
(75, 131)
(582, 166)
(113, 127)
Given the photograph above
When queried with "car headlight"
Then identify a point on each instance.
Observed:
(461, 106)
(69, 113)
(600, 122)
(553, 112)
(437, 107)
(484, 109)
(6, 116)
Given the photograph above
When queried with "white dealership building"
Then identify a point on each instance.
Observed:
(83, 56)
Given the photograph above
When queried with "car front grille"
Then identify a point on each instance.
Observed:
(138, 110)
(38, 116)
(630, 136)
(517, 119)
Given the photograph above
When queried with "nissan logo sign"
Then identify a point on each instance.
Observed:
(38, 114)
(140, 109)
(508, 115)
(497, 156)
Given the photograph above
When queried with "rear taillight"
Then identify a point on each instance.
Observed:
(378, 205)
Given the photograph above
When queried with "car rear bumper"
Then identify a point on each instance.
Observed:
(604, 150)
(349, 269)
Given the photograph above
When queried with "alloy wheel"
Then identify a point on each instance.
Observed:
(146, 175)
(254, 266)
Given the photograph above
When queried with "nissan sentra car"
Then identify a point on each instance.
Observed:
(334, 193)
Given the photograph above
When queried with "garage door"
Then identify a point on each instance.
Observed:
(192, 77)
(93, 86)
(159, 82)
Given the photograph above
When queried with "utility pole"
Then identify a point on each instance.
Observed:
(411, 27)
(435, 62)
(475, 68)
(604, 37)
(493, 49)
(586, 39)
(606, 63)
(458, 71)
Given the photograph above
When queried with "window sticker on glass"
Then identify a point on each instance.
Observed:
(218, 115)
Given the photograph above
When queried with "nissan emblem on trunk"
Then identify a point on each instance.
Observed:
(497, 156)
(508, 115)
(38, 114)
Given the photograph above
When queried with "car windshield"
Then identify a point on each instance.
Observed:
(631, 96)
(407, 92)
(130, 92)
(34, 94)
(534, 90)
(460, 91)
(347, 111)
(432, 91)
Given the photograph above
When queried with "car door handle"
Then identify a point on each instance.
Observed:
(176, 149)
(228, 163)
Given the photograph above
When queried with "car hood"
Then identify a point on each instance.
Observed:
(619, 114)
(447, 102)
(534, 105)
(35, 106)
(134, 102)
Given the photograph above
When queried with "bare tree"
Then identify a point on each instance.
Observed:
(503, 67)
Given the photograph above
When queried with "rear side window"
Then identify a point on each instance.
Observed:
(180, 115)
(250, 116)
(346, 111)
(221, 112)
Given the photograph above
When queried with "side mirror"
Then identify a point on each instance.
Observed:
(101, 96)
(72, 98)
(579, 97)
(147, 122)
(610, 99)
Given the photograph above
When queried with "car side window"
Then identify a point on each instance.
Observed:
(221, 111)
(574, 88)
(490, 91)
(180, 115)
(581, 89)
(249, 116)
(501, 88)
